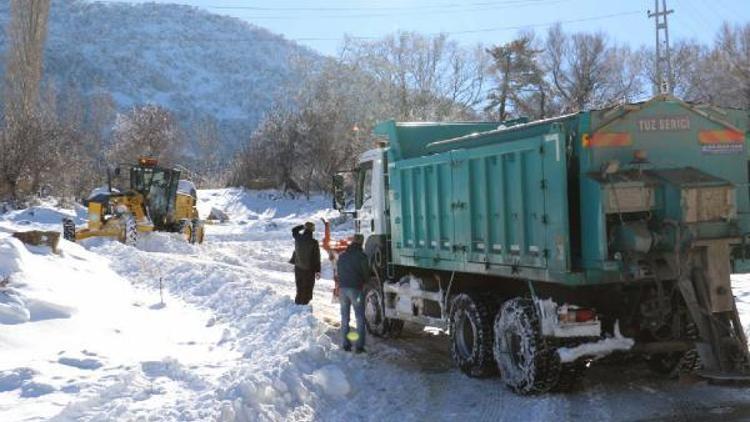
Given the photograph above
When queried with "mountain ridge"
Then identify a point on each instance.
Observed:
(197, 64)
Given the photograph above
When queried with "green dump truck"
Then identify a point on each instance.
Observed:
(542, 246)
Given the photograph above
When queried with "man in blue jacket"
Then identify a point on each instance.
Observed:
(353, 271)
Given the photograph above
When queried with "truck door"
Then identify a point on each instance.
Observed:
(365, 223)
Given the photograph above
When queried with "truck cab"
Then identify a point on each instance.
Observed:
(362, 194)
(370, 194)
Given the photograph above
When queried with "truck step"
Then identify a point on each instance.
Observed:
(725, 378)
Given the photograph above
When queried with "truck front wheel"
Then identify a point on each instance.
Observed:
(375, 320)
(471, 335)
(528, 364)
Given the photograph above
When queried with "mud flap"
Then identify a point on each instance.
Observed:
(705, 287)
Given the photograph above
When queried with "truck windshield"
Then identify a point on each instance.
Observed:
(364, 185)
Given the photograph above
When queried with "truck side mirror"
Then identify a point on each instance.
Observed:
(339, 196)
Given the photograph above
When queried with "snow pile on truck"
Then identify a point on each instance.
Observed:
(601, 348)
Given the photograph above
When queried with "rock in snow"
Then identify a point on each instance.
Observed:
(333, 380)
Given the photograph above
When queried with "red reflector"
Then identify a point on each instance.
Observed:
(608, 140)
(584, 315)
(709, 137)
(148, 162)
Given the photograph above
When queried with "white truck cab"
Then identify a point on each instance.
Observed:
(370, 194)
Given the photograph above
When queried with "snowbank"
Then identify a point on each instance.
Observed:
(73, 328)
(21, 299)
(41, 217)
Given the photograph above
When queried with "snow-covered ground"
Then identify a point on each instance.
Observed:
(85, 335)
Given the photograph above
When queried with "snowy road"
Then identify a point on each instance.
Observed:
(229, 344)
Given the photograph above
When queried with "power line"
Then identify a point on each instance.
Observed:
(542, 25)
(694, 15)
(725, 8)
(380, 13)
(308, 39)
(460, 32)
(394, 8)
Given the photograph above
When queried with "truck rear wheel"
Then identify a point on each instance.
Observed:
(527, 363)
(672, 365)
(471, 335)
(571, 375)
(375, 320)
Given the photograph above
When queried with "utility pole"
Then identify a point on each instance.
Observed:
(664, 77)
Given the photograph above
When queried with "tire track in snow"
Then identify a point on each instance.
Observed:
(433, 388)
(274, 380)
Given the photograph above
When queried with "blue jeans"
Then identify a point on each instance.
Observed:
(356, 298)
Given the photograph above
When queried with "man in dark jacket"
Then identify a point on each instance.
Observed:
(306, 260)
(353, 271)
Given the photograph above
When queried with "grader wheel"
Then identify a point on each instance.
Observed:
(69, 230)
(186, 231)
(130, 230)
(192, 231)
(198, 232)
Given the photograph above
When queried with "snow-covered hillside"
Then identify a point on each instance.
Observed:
(195, 63)
(85, 335)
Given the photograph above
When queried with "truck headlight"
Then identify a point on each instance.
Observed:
(121, 209)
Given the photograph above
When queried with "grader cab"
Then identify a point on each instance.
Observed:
(154, 199)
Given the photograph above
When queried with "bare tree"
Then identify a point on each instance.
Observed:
(730, 66)
(205, 157)
(27, 33)
(272, 153)
(421, 77)
(26, 128)
(146, 131)
(586, 72)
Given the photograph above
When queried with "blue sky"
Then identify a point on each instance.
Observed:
(321, 24)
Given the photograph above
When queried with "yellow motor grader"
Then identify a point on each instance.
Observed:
(155, 199)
